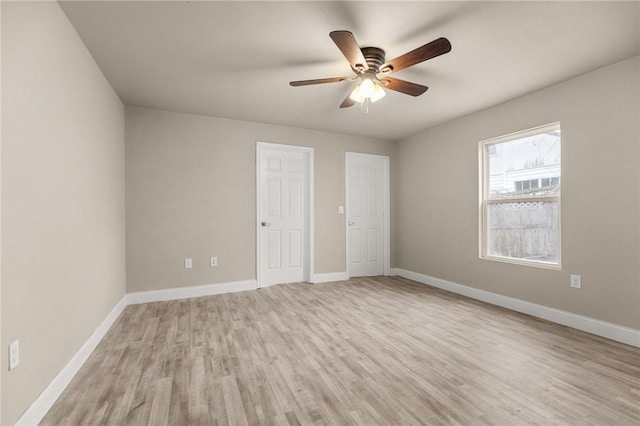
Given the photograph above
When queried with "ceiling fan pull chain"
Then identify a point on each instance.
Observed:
(365, 105)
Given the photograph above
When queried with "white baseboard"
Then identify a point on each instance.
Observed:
(629, 336)
(329, 277)
(188, 292)
(39, 408)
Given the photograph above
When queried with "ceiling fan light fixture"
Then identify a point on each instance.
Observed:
(367, 90)
(356, 95)
(378, 93)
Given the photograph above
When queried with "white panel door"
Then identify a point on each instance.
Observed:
(282, 215)
(366, 192)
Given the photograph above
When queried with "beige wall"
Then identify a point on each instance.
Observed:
(437, 195)
(191, 193)
(62, 198)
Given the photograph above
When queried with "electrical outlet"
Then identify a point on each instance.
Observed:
(188, 263)
(14, 355)
(576, 281)
(214, 261)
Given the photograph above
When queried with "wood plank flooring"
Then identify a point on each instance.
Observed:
(366, 351)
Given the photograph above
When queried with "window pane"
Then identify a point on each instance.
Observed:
(523, 230)
(516, 166)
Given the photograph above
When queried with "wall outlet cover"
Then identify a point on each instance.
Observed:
(576, 281)
(14, 354)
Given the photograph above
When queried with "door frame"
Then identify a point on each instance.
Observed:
(309, 207)
(386, 209)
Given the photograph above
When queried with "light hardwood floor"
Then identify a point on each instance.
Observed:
(367, 351)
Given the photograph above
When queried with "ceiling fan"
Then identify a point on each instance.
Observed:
(373, 72)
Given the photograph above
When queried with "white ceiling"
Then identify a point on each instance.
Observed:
(235, 59)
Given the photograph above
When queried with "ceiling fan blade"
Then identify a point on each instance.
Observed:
(317, 81)
(348, 45)
(347, 102)
(430, 50)
(403, 86)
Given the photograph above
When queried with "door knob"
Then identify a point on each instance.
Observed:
(350, 223)
(265, 224)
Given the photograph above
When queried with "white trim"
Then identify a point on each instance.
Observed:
(386, 199)
(629, 336)
(386, 187)
(310, 224)
(43, 403)
(188, 292)
(329, 277)
(310, 216)
(533, 131)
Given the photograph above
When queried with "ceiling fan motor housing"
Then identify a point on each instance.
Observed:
(374, 57)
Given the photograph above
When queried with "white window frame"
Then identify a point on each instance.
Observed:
(485, 201)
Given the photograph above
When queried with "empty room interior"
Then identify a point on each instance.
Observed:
(340, 212)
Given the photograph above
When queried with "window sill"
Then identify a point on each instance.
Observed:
(541, 265)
